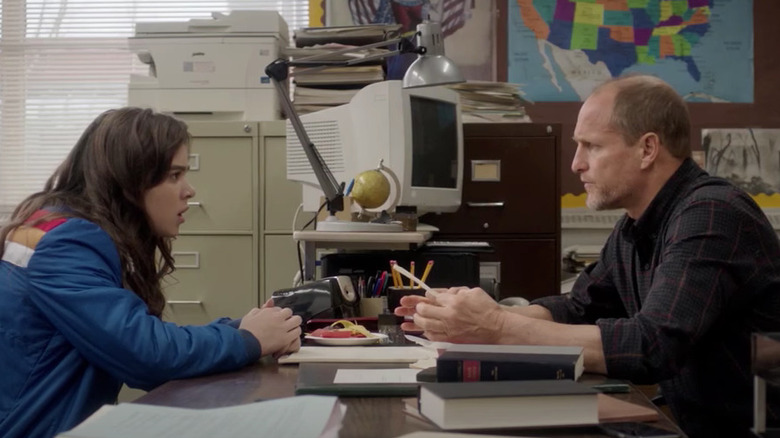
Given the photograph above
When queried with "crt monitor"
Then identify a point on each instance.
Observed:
(416, 131)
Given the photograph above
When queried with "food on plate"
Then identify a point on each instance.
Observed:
(342, 329)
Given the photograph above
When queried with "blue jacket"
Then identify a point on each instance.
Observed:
(70, 335)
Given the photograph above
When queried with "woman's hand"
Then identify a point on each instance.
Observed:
(276, 328)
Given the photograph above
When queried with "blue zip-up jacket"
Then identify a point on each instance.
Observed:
(70, 334)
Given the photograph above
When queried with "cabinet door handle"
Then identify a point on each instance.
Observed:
(198, 302)
(485, 204)
(194, 255)
(194, 204)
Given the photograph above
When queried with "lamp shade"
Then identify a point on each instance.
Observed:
(432, 70)
(431, 67)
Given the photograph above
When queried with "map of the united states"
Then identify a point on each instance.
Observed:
(583, 42)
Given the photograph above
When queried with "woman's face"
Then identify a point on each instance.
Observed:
(166, 202)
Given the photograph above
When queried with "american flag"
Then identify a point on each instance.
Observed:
(452, 14)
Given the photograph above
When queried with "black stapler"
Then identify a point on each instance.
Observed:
(330, 297)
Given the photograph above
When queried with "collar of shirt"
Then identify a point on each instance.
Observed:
(644, 231)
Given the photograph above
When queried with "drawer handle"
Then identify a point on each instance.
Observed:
(198, 302)
(485, 204)
(195, 262)
(194, 160)
(194, 204)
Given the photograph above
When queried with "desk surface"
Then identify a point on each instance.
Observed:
(383, 416)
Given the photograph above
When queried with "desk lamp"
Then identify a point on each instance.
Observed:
(430, 68)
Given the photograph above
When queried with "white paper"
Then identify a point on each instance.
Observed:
(435, 345)
(382, 375)
(279, 418)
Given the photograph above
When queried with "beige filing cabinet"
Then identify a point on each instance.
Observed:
(235, 247)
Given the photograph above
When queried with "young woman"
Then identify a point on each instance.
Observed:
(80, 294)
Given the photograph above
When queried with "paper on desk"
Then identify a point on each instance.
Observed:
(427, 434)
(276, 418)
(384, 354)
(384, 375)
(428, 344)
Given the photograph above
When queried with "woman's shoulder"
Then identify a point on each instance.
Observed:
(78, 229)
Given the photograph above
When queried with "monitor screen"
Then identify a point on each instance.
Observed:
(434, 143)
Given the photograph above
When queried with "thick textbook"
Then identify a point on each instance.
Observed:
(512, 404)
(500, 362)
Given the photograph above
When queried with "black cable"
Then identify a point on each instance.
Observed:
(298, 245)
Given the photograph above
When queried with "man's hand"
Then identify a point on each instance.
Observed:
(276, 328)
(459, 315)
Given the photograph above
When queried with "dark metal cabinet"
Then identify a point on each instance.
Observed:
(511, 199)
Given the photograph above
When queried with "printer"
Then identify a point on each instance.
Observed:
(210, 69)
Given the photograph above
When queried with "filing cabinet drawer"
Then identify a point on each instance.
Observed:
(221, 172)
(519, 196)
(214, 277)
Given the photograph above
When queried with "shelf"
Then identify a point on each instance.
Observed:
(357, 240)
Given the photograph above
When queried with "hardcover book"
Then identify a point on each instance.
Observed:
(497, 362)
(492, 405)
(321, 379)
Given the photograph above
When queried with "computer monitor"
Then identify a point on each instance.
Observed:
(417, 132)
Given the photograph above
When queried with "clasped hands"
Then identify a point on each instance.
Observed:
(276, 329)
(458, 314)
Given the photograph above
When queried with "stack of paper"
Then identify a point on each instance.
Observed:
(321, 87)
(275, 418)
(352, 35)
(577, 257)
(483, 101)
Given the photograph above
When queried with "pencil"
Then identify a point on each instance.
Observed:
(396, 276)
(427, 270)
(406, 274)
(411, 271)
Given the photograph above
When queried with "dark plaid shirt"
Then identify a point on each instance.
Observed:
(677, 294)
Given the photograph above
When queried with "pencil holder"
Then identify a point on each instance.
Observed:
(373, 306)
(394, 295)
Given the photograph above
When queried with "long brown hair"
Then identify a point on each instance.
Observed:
(122, 154)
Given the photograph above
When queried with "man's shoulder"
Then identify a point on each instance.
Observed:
(714, 189)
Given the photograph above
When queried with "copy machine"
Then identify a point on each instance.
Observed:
(210, 69)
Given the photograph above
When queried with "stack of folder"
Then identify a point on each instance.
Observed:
(316, 88)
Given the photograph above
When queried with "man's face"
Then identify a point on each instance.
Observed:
(607, 166)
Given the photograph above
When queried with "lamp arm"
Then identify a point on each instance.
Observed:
(279, 70)
(334, 192)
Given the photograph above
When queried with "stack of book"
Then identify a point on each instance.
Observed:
(483, 101)
(316, 88)
(518, 386)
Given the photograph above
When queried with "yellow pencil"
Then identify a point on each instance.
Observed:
(411, 270)
(427, 270)
(396, 275)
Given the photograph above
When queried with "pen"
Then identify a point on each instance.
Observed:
(414, 279)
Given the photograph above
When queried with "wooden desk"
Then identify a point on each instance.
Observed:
(379, 417)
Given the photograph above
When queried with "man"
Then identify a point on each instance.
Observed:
(689, 272)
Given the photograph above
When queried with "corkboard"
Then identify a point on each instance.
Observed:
(764, 112)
